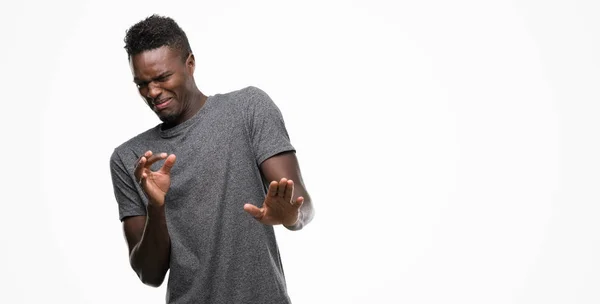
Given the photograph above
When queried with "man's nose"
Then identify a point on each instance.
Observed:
(153, 91)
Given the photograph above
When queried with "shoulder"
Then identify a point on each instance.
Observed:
(126, 151)
(245, 103)
(253, 92)
(249, 91)
(247, 95)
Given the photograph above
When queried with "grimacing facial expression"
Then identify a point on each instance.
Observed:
(164, 81)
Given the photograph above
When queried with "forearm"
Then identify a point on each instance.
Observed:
(150, 257)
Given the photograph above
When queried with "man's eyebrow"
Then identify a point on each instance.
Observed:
(161, 75)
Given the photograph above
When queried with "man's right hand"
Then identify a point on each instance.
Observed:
(154, 183)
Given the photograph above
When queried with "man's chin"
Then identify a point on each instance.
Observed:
(167, 118)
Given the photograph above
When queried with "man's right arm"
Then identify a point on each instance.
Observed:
(146, 232)
(149, 245)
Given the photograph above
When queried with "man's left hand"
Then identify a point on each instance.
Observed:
(278, 207)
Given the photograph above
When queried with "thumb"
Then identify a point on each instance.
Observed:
(256, 212)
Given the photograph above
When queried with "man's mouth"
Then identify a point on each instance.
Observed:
(163, 103)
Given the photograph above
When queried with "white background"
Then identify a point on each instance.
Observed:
(451, 147)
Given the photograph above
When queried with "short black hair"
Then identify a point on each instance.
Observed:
(155, 32)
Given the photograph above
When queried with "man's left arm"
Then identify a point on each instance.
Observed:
(286, 202)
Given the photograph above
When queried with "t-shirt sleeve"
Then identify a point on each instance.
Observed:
(125, 189)
(268, 133)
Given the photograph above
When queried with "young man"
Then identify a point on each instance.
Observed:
(199, 193)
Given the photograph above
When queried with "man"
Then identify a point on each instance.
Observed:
(199, 193)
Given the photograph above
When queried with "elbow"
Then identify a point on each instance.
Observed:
(152, 281)
(149, 277)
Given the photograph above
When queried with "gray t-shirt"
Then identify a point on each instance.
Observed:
(219, 253)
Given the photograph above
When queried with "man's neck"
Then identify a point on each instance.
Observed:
(195, 103)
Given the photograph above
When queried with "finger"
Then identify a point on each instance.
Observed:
(145, 155)
(143, 179)
(281, 188)
(273, 188)
(299, 201)
(289, 191)
(169, 162)
(139, 168)
(154, 158)
(256, 212)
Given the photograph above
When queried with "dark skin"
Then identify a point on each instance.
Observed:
(165, 81)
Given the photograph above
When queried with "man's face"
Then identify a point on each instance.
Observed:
(164, 81)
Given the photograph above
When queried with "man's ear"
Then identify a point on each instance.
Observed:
(190, 63)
